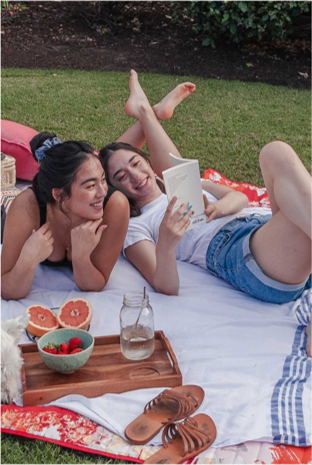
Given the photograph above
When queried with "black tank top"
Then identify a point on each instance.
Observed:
(43, 218)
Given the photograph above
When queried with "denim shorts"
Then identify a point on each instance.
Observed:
(229, 257)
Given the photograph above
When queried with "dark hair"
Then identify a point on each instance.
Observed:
(108, 151)
(59, 166)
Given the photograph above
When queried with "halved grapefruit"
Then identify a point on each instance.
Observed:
(42, 320)
(75, 313)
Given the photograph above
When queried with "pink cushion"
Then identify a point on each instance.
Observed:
(15, 139)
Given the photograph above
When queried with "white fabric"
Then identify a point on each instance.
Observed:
(193, 246)
(232, 345)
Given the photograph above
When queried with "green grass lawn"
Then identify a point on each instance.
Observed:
(224, 124)
(15, 449)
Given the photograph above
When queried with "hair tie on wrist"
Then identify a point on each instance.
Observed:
(40, 153)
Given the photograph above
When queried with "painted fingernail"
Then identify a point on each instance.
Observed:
(193, 213)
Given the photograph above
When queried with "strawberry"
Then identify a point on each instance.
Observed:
(50, 348)
(74, 343)
(64, 349)
(75, 351)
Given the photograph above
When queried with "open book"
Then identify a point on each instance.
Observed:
(183, 181)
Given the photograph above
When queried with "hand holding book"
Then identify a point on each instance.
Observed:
(183, 181)
(173, 225)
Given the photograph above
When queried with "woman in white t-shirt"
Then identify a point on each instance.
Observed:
(264, 253)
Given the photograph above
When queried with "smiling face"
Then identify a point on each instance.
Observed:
(132, 174)
(87, 191)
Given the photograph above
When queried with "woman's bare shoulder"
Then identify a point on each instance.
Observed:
(117, 199)
(117, 209)
(26, 202)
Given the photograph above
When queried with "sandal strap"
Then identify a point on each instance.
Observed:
(193, 437)
(186, 403)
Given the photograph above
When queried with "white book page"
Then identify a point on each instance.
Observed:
(178, 160)
(183, 181)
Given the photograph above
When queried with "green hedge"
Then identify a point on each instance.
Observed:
(239, 21)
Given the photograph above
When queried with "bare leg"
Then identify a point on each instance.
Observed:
(163, 110)
(158, 141)
(134, 136)
(282, 247)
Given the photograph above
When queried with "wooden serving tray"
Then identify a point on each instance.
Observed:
(107, 370)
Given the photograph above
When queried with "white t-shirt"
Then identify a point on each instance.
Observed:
(193, 246)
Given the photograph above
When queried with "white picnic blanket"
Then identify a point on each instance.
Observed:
(247, 355)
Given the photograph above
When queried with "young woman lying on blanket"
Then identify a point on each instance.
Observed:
(266, 256)
(70, 217)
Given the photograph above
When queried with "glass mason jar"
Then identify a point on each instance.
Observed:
(137, 337)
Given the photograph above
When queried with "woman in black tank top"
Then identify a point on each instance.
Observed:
(69, 217)
(43, 215)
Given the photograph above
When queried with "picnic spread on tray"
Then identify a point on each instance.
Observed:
(107, 370)
(70, 361)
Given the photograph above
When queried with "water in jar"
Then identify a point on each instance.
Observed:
(137, 343)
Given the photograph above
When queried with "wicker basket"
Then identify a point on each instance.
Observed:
(8, 172)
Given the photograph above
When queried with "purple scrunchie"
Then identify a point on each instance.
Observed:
(40, 153)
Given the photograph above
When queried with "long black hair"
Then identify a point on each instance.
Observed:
(108, 151)
(59, 166)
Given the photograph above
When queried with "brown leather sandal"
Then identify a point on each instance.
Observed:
(170, 405)
(182, 441)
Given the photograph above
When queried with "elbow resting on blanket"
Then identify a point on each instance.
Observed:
(92, 288)
(92, 282)
(13, 295)
(12, 292)
(167, 290)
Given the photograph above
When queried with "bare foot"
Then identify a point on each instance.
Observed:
(309, 338)
(137, 102)
(165, 108)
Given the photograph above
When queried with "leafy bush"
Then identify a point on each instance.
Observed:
(8, 10)
(241, 20)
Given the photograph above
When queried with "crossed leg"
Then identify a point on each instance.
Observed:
(158, 141)
(163, 110)
(282, 247)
